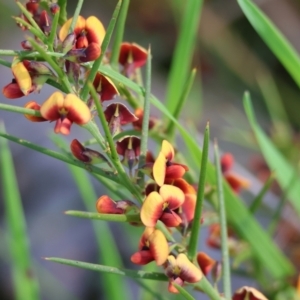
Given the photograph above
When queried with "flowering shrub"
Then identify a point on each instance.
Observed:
(168, 201)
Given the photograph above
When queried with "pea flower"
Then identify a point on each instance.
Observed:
(85, 154)
(161, 206)
(152, 246)
(105, 205)
(179, 270)
(35, 106)
(65, 110)
(29, 76)
(89, 34)
(248, 293)
(105, 87)
(129, 148)
(132, 56)
(118, 115)
(164, 167)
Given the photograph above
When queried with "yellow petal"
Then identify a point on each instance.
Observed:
(189, 272)
(95, 30)
(159, 169)
(152, 209)
(168, 150)
(22, 77)
(159, 247)
(64, 31)
(50, 108)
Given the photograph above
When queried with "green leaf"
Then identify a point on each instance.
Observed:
(24, 281)
(284, 171)
(275, 40)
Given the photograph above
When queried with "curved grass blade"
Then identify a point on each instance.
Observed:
(223, 225)
(284, 171)
(24, 280)
(193, 243)
(184, 293)
(275, 40)
(183, 54)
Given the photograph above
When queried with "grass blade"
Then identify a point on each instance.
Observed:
(183, 53)
(119, 33)
(275, 160)
(223, 226)
(193, 243)
(24, 281)
(275, 40)
(182, 100)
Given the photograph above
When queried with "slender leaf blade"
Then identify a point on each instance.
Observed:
(284, 171)
(25, 283)
(275, 40)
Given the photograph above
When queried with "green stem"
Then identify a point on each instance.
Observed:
(112, 148)
(75, 16)
(104, 217)
(60, 72)
(119, 33)
(108, 269)
(20, 110)
(85, 89)
(33, 23)
(62, 157)
(28, 54)
(146, 116)
(53, 36)
(193, 243)
(32, 29)
(62, 11)
(208, 289)
(223, 225)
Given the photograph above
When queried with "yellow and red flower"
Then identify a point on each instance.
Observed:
(162, 205)
(65, 110)
(132, 56)
(164, 167)
(35, 106)
(85, 154)
(179, 270)
(105, 205)
(89, 34)
(29, 76)
(152, 246)
(105, 87)
(248, 293)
